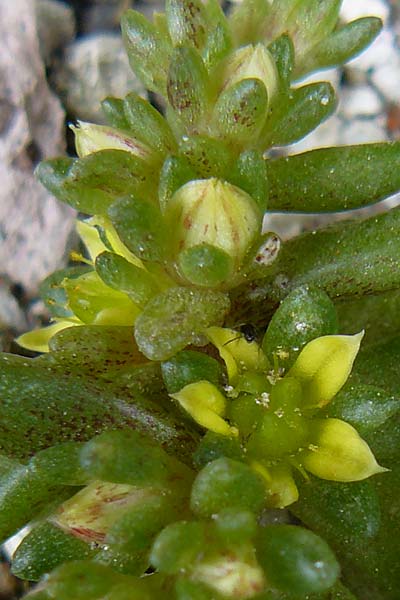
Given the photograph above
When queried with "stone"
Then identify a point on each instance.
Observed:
(95, 67)
(34, 227)
(359, 100)
(55, 25)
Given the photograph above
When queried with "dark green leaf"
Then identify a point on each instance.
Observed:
(332, 179)
(175, 172)
(207, 156)
(205, 265)
(187, 22)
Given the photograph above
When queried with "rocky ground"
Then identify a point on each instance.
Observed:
(57, 61)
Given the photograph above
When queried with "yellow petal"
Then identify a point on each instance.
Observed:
(324, 365)
(91, 138)
(38, 339)
(117, 246)
(338, 453)
(281, 487)
(91, 238)
(206, 405)
(239, 355)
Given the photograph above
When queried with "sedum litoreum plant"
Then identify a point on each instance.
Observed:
(214, 413)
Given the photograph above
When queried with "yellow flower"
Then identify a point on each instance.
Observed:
(286, 432)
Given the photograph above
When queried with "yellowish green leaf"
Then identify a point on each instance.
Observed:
(281, 488)
(38, 339)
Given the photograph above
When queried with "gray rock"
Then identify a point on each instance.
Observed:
(34, 227)
(95, 67)
(55, 25)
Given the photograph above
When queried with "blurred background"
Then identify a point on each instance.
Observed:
(58, 60)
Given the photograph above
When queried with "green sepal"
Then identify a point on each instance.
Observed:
(226, 483)
(90, 184)
(305, 314)
(189, 366)
(178, 547)
(120, 274)
(295, 560)
(141, 228)
(305, 108)
(241, 110)
(245, 412)
(128, 457)
(205, 265)
(175, 172)
(235, 526)
(113, 109)
(251, 175)
(368, 173)
(213, 445)
(342, 44)
(148, 125)
(282, 51)
(177, 318)
(207, 156)
(148, 50)
(45, 548)
(187, 22)
(247, 21)
(53, 293)
(134, 531)
(217, 45)
(187, 86)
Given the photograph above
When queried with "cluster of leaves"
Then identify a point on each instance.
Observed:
(102, 438)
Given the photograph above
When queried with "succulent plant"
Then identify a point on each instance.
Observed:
(206, 419)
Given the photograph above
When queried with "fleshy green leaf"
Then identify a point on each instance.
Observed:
(296, 560)
(342, 44)
(305, 314)
(187, 86)
(305, 109)
(47, 547)
(207, 156)
(176, 319)
(330, 179)
(148, 50)
(119, 274)
(189, 366)
(175, 172)
(205, 265)
(148, 124)
(241, 110)
(251, 175)
(141, 228)
(226, 483)
(178, 546)
(187, 22)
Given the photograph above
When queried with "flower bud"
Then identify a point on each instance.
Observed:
(213, 212)
(253, 62)
(91, 138)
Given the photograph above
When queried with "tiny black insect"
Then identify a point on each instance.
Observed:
(249, 332)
